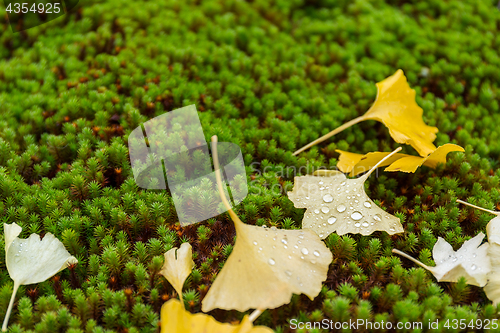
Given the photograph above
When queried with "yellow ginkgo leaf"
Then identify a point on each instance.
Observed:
(358, 163)
(396, 108)
(492, 289)
(470, 261)
(32, 260)
(337, 204)
(268, 264)
(177, 266)
(175, 319)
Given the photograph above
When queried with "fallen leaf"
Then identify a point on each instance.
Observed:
(355, 164)
(396, 108)
(32, 260)
(268, 264)
(175, 319)
(177, 266)
(337, 204)
(470, 261)
(492, 289)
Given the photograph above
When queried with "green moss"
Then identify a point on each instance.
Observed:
(269, 76)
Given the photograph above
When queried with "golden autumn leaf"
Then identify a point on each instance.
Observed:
(470, 261)
(337, 204)
(175, 319)
(177, 266)
(269, 264)
(355, 164)
(396, 108)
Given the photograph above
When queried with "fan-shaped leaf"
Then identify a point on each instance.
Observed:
(337, 204)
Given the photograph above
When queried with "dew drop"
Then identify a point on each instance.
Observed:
(301, 257)
(365, 224)
(288, 273)
(377, 217)
(271, 261)
(474, 255)
(305, 251)
(316, 253)
(313, 261)
(357, 225)
(296, 246)
(325, 210)
(320, 182)
(321, 188)
(327, 198)
(356, 216)
(332, 219)
(316, 211)
(307, 198)
(286, 247)
(473, 267)
(392, 229)
(342, 184)
(454, 259)
(301, 236)
(367, 204)
(321, 235)
(284, 241)
(254, 243)
(341, 208)
(274, 228)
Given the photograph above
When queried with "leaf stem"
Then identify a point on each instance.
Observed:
(329, 135)
(9, 309)
(366, 175)
(412, 259)
(234, 217)
(255, 315)
(477, 207)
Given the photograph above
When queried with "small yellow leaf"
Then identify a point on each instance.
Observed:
(396, 108)
(178, 265)
(357, 163)
(337, 204)
(354, 164)
(174, 319)
(32, 260)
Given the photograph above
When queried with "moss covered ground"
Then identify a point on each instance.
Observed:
(270, 76)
